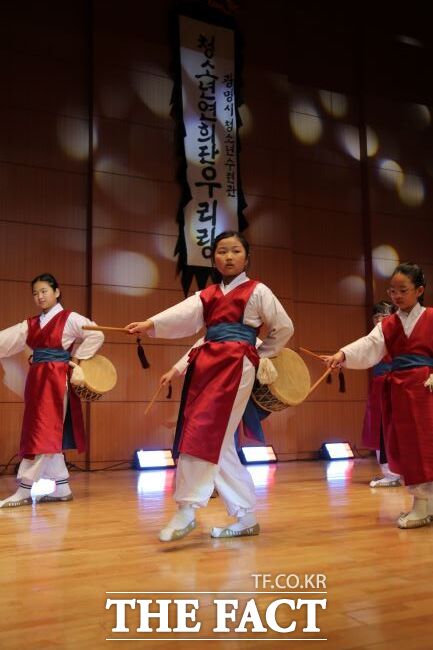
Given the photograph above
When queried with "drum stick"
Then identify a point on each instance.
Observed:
(149, 406)
(312, 354)
(325, 374)
(103, 328)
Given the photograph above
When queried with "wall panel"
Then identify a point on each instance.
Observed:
(318, 231)
(45, 197)
(62, 249)
(264, 172)
(43, 139)
(326, 329)
(119, 429)
(135, 204)
(269, 221)
(134, 150)
(326, 186)
(325, 279)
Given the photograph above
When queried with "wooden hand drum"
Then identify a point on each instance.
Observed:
(291, 386)
(100, 377)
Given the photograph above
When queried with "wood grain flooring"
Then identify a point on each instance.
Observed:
(60, 564)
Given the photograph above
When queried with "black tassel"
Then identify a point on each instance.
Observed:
(341, 382)
(169, 391)
(329, 378)
(141, 355)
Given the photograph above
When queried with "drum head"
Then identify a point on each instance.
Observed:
(293, 382)
(100, 374)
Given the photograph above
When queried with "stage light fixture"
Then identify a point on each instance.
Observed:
(336, 451)
(256, 455)
(153, 459)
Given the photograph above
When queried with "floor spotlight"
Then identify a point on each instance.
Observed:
(153, 459)
(336, 451)
(255, 455)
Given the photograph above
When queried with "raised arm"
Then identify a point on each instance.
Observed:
(362, 353)
(183, 319)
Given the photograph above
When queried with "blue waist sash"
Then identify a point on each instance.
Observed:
(381, 369)
(231, 332)
(43, 355)
(407, 361)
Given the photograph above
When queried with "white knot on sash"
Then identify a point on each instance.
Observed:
(77, 376)
(267, 373)
(429, 383)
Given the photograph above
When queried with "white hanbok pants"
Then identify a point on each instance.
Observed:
(50, 466)
(422, 490)
(197, 478)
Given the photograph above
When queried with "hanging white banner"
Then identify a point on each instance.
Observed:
(209, 116)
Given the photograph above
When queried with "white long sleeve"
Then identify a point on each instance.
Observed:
(366, 351)
(183, 319)
(262, 308)
(369, 350)
(86, 343)
(13, 339)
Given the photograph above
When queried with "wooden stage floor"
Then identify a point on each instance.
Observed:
(59, 561)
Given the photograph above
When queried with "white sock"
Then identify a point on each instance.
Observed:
(184, 516)
(23, 492)
(419, 508)
(387, 472)
(246, 521)
(386, 481)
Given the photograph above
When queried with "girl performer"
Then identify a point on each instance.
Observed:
(372, 432)
(218, 385)
(53, 419)
(407, 400)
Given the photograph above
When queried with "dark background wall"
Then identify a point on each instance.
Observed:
(336, 165)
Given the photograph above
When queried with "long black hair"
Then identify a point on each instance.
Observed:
(415, 275)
